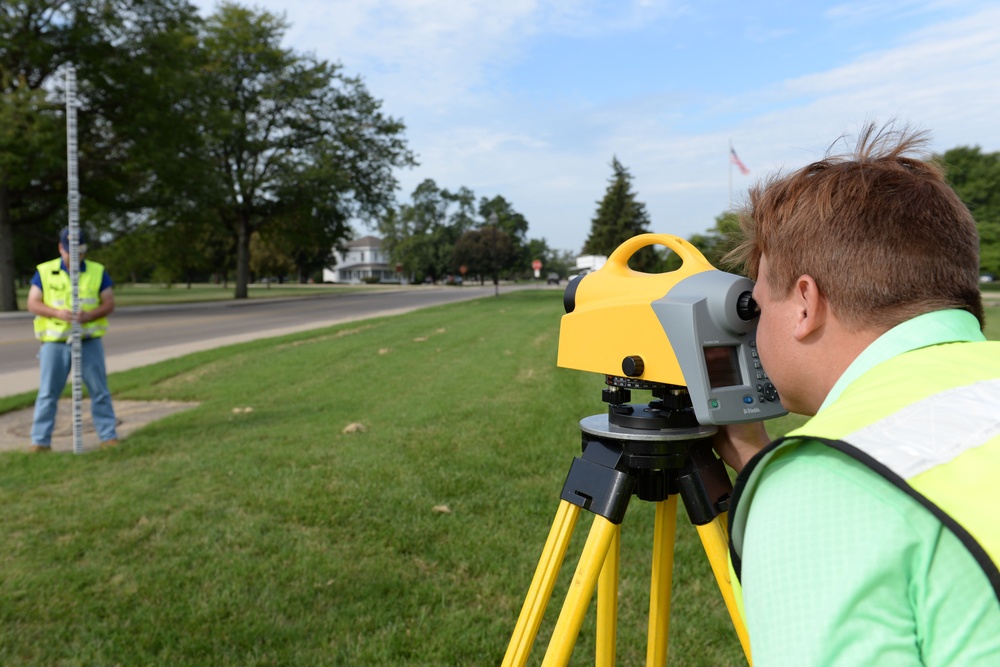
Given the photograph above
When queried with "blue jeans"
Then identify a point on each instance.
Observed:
(55, 360)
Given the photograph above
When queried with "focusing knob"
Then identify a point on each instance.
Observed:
(746, 307)
(632, 366)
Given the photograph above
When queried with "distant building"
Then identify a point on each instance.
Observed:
(364, 261)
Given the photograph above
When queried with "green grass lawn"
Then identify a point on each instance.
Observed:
(272, 537)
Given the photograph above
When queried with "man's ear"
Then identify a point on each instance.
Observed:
(813, 307)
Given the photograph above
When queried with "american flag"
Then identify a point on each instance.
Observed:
(735, 159)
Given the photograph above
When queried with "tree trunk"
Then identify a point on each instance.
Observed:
(242, 259)
(8, 293)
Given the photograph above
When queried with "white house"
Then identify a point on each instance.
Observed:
(364, 261)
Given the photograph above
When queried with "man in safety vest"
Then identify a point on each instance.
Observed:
(869, 535)
(50, 299)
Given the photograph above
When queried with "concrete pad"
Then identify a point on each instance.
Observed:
(15, 427)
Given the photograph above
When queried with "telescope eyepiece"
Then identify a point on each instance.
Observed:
(746, 307)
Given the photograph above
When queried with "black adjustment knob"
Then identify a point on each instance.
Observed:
(633, 366)
(616, 395)
(746, 307)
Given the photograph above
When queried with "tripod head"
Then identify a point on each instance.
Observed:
(659, 444)
(669, 408)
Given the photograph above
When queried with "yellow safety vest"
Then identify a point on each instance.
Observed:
(57, 293)
(928, 421)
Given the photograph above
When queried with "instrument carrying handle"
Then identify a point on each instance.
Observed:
(689, 254)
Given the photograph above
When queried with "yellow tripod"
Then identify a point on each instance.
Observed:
(657, 455)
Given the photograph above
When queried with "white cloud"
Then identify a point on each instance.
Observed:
(440, 65)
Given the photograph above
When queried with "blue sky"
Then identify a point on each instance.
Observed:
(530, 99)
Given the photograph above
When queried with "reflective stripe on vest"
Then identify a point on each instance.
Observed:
(933, 431)
(57, 293)
(941, 447)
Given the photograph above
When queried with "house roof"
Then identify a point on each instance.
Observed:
(366, 242)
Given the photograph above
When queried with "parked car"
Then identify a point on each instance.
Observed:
(553, 279)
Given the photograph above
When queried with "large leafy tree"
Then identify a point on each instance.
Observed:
(130, 56)
(976, 178)
(277, 115)
(512, 224)
(36, 38)
(485, 251)
(30, 173)
(620, 216)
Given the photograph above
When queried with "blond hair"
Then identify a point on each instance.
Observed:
(881, 232)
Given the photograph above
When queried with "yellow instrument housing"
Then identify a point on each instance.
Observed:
(612, 316)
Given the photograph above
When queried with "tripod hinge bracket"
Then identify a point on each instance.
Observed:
(594, 484)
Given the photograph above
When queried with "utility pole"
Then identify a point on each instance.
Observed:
(496, 270)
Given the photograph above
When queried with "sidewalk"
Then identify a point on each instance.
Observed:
(15, 427)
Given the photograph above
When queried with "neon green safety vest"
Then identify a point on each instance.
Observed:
(929, 422)
(57, 292)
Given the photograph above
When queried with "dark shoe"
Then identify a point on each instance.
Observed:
(108, 444)
(39, 449)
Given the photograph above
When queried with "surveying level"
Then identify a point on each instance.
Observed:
(688, 337)
(693, 327)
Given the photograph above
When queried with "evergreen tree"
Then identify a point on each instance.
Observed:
(619, 217)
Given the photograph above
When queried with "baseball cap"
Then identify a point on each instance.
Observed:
(64, 239)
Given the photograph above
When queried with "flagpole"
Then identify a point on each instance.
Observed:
(730, 161)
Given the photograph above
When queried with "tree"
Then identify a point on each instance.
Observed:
(36, 37)
(553, 261)
(714, 244)
(619, 217)
(278, 116)
(976, 178)
(514, 225)
(28, 130)
(411, 232)
(421, 235)
(269, 259)
(484, 251)
(128, 55)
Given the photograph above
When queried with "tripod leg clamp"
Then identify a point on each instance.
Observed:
(595, 483)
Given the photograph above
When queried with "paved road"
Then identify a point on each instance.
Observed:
(144, 335)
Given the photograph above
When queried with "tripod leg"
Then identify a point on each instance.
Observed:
(607, 604)
(715, 539)
(581, 589)
(665, 530)
(542, 584)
